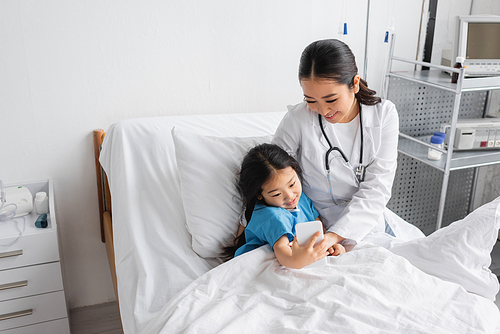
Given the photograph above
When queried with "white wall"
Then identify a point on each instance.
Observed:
(68, 67)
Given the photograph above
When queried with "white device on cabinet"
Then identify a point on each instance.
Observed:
(21, 197)
(477, 41)
(475, 134)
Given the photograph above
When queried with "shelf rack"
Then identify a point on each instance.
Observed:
(416, 143)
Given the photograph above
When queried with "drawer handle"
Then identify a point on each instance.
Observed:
(16, 314)
(13, 285)
(12, 253)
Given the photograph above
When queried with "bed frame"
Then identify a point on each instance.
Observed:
(104, 197)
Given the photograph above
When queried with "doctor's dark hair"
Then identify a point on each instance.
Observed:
(332, 59)
(259, 166)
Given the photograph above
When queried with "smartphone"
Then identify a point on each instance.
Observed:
(304, 232)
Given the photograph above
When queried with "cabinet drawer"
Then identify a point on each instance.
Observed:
(31, 310)
(60, 326)
(32, 280)
(30, 249)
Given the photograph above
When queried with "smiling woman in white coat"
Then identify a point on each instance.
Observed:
(345, 139)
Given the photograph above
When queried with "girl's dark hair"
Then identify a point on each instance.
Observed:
(259, 166)
(332, 59)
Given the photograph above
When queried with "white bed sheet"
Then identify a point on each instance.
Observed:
(153, 254)
(367, 290)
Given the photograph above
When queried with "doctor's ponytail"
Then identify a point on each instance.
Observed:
(332, 59)
(366, 95)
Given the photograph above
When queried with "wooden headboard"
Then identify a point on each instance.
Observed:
(102, 181)
(104, 196)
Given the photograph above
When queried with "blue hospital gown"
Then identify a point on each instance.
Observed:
(269, 223)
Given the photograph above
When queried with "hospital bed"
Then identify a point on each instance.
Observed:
(168, 205)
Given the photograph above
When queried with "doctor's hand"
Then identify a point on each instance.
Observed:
(332, 239)
(336, 249)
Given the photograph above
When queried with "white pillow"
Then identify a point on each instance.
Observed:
(207, 168)
(460, 252)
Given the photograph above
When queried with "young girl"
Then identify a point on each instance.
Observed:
(270, 185)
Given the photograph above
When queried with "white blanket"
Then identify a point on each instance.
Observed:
(366, 290)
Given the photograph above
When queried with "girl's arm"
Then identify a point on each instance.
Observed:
(297, 256)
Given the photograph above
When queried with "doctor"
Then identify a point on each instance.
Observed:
(345, 139)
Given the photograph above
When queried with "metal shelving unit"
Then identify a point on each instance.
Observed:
(425, 99)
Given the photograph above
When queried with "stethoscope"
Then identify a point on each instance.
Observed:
(360, 170)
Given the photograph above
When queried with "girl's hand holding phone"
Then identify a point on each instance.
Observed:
(301, 255)
(304, 255)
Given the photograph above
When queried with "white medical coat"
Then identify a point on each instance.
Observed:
(300, 135)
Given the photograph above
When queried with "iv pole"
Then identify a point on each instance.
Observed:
(365, 65)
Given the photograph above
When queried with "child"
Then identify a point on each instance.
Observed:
(270, 185)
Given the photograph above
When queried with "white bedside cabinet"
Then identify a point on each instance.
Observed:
(32, 296)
